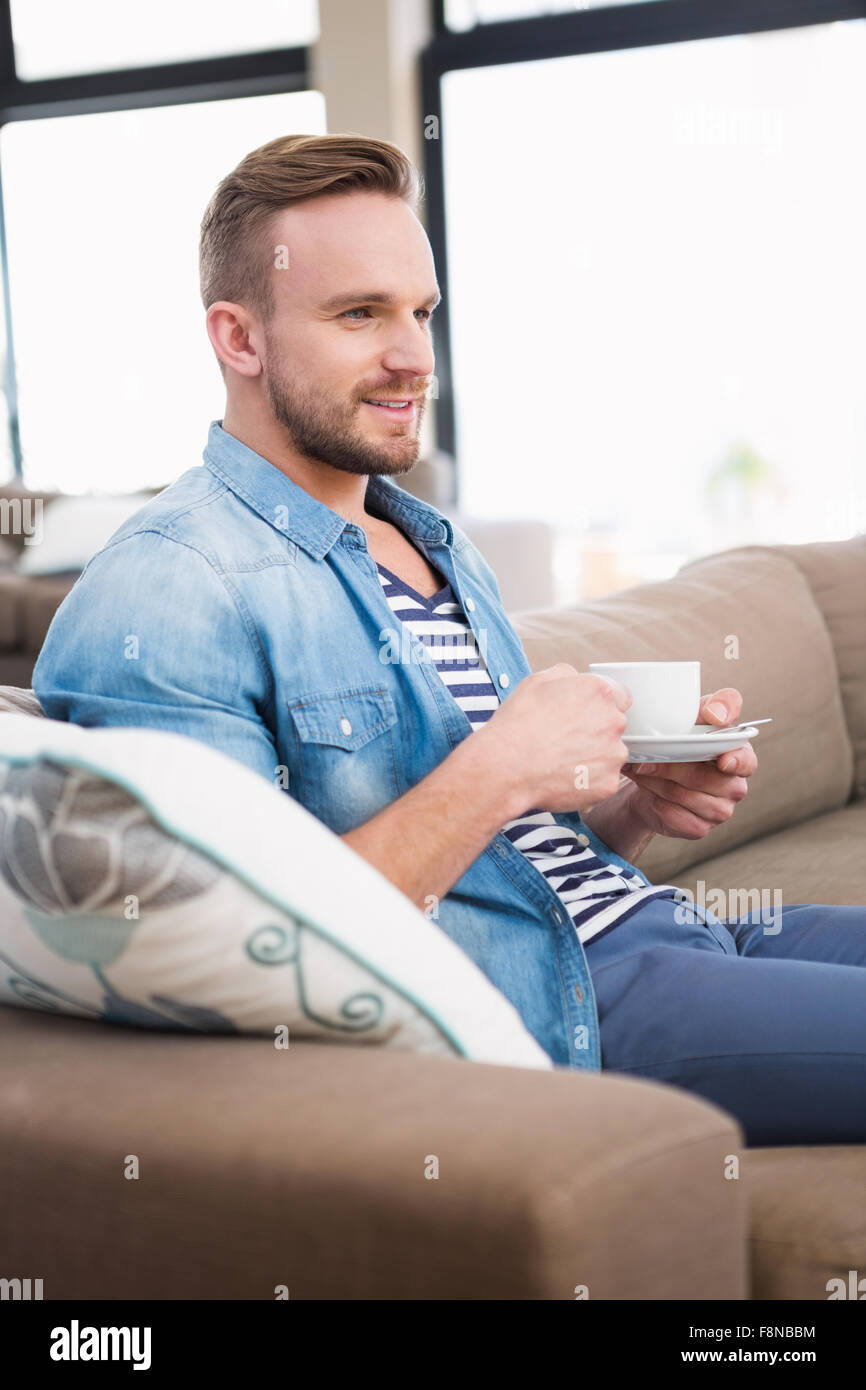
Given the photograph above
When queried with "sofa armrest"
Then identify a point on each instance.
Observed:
(307, 1168)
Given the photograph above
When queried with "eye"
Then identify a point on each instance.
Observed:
(426, 314)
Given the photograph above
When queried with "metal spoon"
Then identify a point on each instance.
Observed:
(729, 728)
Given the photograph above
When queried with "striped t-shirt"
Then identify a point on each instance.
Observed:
(596, 895)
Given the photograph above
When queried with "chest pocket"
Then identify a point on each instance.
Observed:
(347, 765)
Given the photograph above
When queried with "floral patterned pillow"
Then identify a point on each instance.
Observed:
(149, 880)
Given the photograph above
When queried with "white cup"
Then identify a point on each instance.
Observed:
(666, 695)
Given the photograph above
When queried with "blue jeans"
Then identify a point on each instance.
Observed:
(770, 1025)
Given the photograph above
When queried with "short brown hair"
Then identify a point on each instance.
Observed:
(233, 261)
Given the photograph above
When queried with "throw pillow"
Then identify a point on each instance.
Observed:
(147, 879)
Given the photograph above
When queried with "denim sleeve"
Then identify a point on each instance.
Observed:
(151, 636)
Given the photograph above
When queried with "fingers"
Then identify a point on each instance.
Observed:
(721, 707)
(743, 761)
(702, 777)
(621, 695)
(710, 808)
(676, 820)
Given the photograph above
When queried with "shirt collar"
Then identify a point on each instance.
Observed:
(305, 520)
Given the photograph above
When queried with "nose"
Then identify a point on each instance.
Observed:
(409, 352)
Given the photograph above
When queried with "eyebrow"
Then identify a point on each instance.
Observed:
(361, 297)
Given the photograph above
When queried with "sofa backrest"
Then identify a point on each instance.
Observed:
(750, 617)
(836, 572)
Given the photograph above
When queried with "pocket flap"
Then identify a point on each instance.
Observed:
(344, 718)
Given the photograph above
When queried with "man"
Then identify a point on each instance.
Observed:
(289, 603)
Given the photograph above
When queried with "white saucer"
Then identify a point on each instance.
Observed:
(700, 746)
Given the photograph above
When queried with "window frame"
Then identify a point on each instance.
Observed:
(602, 30)
(266, 72)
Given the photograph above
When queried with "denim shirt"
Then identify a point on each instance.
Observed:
(237, 609)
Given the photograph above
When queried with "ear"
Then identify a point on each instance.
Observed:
(231, 329)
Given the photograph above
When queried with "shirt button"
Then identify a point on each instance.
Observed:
(470, 605)
(345, 725)
(504, 680)
(578, 994)
(583, 839)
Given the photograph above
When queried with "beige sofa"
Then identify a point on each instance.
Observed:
(551, 1185)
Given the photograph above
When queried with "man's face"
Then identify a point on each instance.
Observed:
(351, 325)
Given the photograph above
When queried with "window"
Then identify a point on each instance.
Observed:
(463, 14)
(117, 381)
(7, 463)
(657, 289)
(53, 38)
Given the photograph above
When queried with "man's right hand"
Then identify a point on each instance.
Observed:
(554, 745)
(557, 740)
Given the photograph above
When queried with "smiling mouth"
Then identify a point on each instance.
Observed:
(402, 408)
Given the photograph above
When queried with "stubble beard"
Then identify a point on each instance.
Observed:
(329, 434)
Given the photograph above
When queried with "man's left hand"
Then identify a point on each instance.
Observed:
(686, 800)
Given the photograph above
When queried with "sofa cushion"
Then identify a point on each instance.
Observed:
(836, 571)
(750, 618)
(808, 1222)
(818, 861)
(15, 700)
(148, 879)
